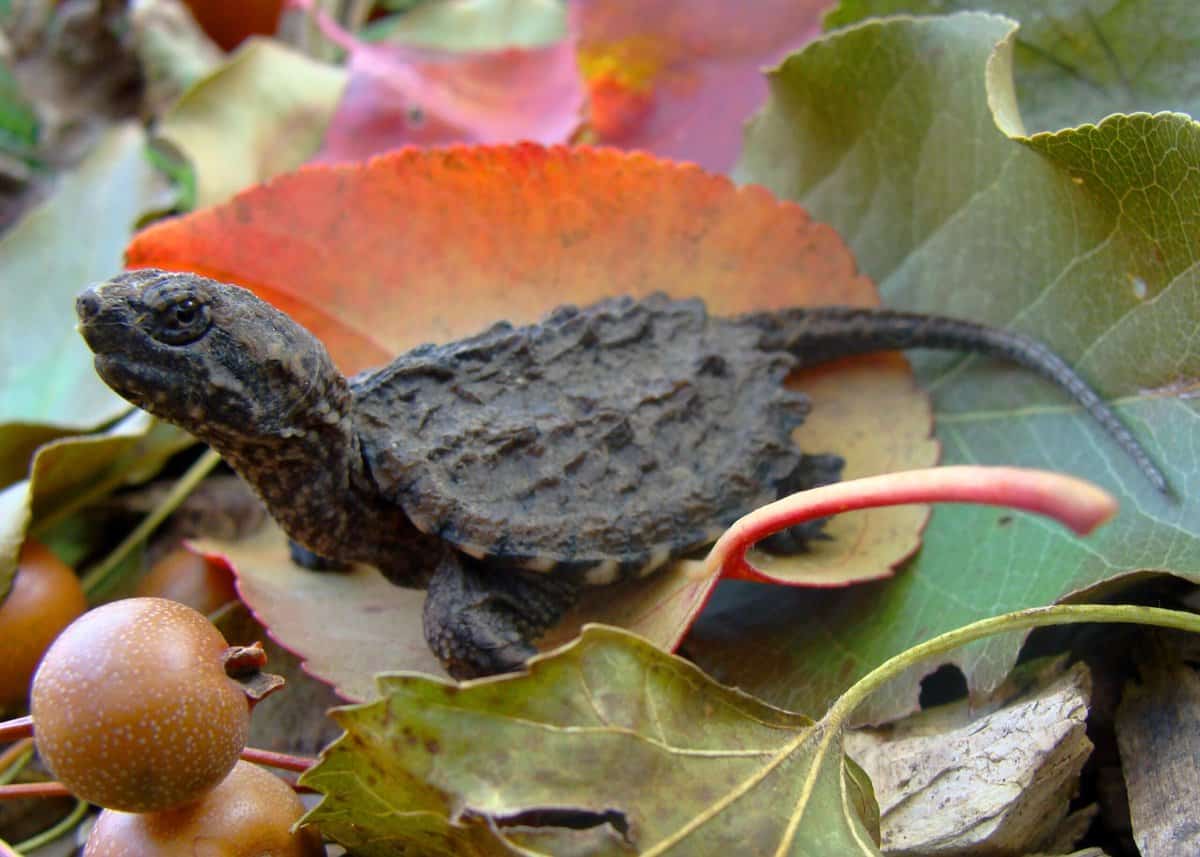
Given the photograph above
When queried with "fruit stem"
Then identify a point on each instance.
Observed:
(65, 825)
(16, 729)
(14, 759)
(242, 661)
(19, 791)
(284, 761)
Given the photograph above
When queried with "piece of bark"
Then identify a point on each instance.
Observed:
(950, 781)
(1158, 732)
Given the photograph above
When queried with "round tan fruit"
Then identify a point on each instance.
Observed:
(189, 579)
(132, 709)
(44, 598)
(249, 814)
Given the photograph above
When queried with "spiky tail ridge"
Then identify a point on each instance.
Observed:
(816, 335)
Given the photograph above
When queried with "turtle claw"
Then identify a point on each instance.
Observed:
(471, 647)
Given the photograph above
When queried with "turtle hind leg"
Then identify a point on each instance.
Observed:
(813, 470)
(480, 620)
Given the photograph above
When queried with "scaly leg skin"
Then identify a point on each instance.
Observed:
(481, 621)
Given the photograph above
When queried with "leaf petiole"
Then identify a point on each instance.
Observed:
(14, 759)
(62, 827)
(1021, 620)
(1074, 503)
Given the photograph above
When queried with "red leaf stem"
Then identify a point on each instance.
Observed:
(1077, 504)
(284, 761)
(16, 729)
(16, 791)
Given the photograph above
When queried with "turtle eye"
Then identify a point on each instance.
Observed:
(182, 321)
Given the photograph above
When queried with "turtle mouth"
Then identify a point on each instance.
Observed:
(115, 343)
(124, 378)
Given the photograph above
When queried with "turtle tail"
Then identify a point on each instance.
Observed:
(816, 335)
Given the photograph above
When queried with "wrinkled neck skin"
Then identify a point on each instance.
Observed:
(259, 388)
(311, 474)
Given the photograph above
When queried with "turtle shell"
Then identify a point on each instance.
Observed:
(606, 439)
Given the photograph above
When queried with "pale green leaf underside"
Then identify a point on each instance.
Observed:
(76, 237)
(897, 132)
(68, 472)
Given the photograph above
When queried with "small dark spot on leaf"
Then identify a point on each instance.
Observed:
(432, 747)
(1004, 520)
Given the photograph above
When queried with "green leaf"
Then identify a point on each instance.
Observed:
(19, 126)
(609, 725)
(263, 112)
(69, 472)
(608, 729)
(475, 25)
(47, 384)
(1079, 61)
(1086, 239)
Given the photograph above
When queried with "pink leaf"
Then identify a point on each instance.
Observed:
(680, 77)
(400, 96)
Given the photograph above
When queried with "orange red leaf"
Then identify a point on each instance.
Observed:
(421, 245)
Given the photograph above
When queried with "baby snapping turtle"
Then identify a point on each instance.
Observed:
(505, 470)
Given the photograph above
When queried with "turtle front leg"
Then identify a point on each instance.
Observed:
(305, 558)
(481, 620)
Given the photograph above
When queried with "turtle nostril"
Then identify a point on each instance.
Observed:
(87, 305)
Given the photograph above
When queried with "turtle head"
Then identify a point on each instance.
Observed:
(210, 357)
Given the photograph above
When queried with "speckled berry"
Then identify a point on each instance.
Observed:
(132, 709)
(193, 580)
(250, 814)
(44, 598)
